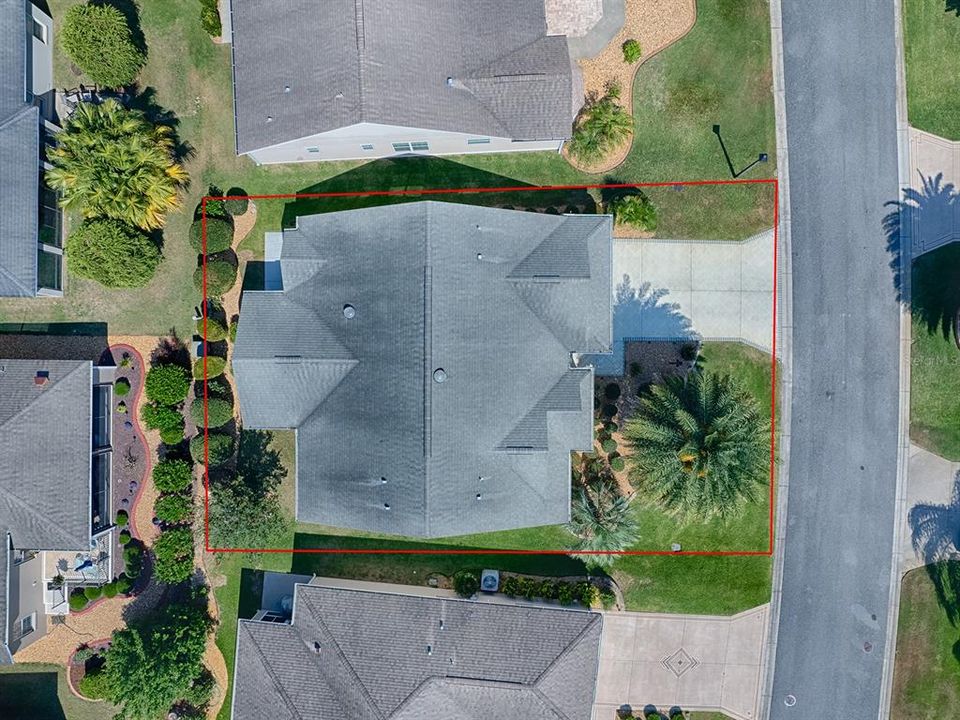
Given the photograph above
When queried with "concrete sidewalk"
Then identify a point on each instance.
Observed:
(936, 221)
(696, 662)
(932, 482)
(714, 289)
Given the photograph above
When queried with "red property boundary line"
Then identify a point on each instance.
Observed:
(497, 551)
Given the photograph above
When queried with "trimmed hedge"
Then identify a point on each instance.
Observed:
(219, 412)
(219, 234)
(98, 40)
(173, 508)
(215, 330)
(165, 419)
(93, 592)
(617, 464)
(215, 366)
(167, 384)
(220, 448)
(110, 589)
(171, 476)
(221, 276)
(210, 18)
(237, 206)
(132, 559)
(173, 553)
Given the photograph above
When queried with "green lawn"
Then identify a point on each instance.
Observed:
(36, 691)
(926, 680)
(935, 359)
(931, 38)
(718, 74)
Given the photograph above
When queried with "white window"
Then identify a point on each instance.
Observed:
(420, 145)
(40, 31)
(313, 149)
(28, 624)
(366, 146)
(401, 147)
(478, 141)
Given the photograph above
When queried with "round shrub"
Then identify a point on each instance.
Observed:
(98, 40)
(611, 427)
(165, 419)
(215, 330)
(172, 476)
(121, 388)
(221, 276)
(466, 583)
(172, 508)
(219, 234)
(611, 391)
(123, 518)
(609, 445)
(215, 366)
(237, 205)
(93, 592)
(124, 537)
(219, 412)
(78, 600)
(173, 552)
(95, 685)
(123, 583)
(132, 559)
(631, 51)
(617, 464)
(112, 253)
(219, 451)
(110, 589)
(635, 210)
(167, 384)
(510, 587)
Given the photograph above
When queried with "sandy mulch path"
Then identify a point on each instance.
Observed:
(656, 24)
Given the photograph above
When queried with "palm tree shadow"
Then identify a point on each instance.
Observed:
(935, 536)
(952, 6)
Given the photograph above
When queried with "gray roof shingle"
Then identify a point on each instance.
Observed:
(388, 61)
(404, 657)
(19, 159)
(382, 446)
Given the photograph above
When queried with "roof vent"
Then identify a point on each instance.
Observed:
(41, 377)
(383, 481)
(441, 623)
(386, 506)
(439, 375)
(479, 496)
(339, 96)
(349, 312)
(316, 647)
(286, 88)
(479, 256)
(429, 649)
(449, 82)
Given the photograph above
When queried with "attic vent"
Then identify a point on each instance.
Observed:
(287, 359)
(439, 375)
(449, 82)
(286, 88)
(42, 377)
(429, 649)
(316, 647)
(349, 311)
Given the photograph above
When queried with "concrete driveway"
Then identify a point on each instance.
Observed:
(696, 662)
(718, 290)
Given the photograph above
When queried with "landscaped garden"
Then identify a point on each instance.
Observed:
(931, 34)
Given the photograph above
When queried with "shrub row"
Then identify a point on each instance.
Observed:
(218, 412)
(173, 508)
(167, 385)
(173, 552)
(215, 366)
(517, 586)
(165, 419)
(121, 585)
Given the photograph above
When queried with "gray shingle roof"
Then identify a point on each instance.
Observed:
(387, 62)
(405, 657)
(375, 429)
(45, 434)
(19, 159)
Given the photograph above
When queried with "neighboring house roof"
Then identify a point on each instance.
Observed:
(388, 656)
(382, 446)
(314, 67)
(19, 159)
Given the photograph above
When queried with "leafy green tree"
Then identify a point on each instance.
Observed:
(165, 419)
(701, 446)
(98, 40)
(95, 685)
(600, 517)
(220, 448)
(173, 552)
(635, 210)
(172, 476)
(602, 126)
(153, 664)
(219, 412)
(110, 161)
(221, 276)
(219, 235)
(114, 254)
(167, 384)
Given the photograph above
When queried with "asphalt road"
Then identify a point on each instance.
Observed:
(839, 81)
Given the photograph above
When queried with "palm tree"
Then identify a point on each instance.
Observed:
(600, 517)
(636, 210)
(700, 446)
(602, 126)
(113, 162)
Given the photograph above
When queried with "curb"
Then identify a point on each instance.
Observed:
(784, 298)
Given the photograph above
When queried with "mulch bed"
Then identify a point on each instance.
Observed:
(76, 670)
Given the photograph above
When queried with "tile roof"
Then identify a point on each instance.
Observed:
(19, 159)
(314, 67)
(363, 654)
(382, 446)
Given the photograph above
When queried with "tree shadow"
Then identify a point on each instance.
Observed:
(952, 6)
(171, 350)
(921, 218)
(259, 465)
(30, 695)
(639, 314)
(413, 173)
(145, 100)
(935, 536)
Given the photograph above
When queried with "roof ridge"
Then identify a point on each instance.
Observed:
(16, 115)
(361, 55)
(571, 646)
(287, 700)
(16, 281)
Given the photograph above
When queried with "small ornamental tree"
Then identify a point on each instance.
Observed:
(172, 476)
(631, 51)
(221, 276)
(210, 18)
(214, 367)
(172, 508)
(466, 583)
(98, 40)
(219, 412)
(601, 127)
(238, 203)
(167, 384)
(173, 552)
(219, 451)
(219, 234)
(635, 210)
(112, 253)
(165, 419)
